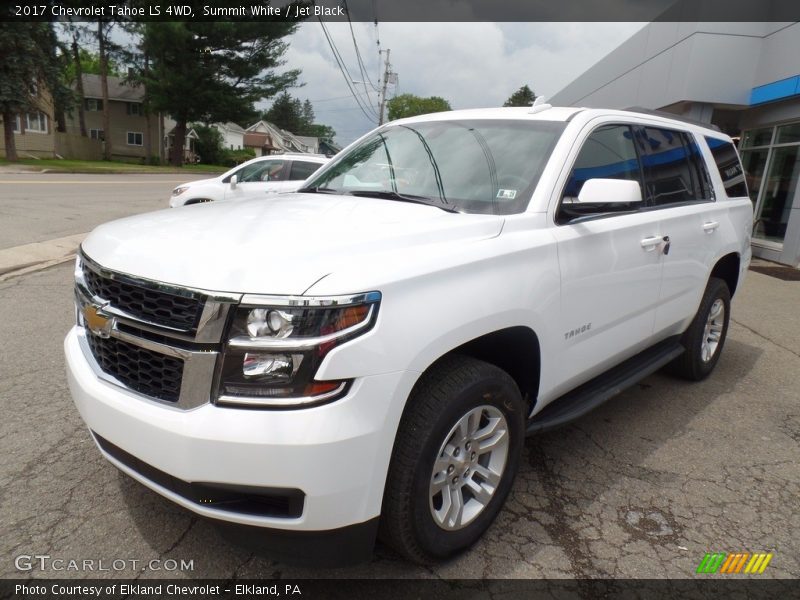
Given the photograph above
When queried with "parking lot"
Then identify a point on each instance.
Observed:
(641, 488)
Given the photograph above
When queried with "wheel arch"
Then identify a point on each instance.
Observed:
(516, 350)
(727, 268)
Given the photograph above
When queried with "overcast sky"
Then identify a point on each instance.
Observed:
(469, 64)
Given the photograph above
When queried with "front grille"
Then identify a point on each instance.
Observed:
(147, 304)
(147, 372)
(263, 502)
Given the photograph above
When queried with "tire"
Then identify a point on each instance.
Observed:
(702, 350)
(416, 519)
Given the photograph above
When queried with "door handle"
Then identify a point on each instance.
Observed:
(710, 226)
(650, 243)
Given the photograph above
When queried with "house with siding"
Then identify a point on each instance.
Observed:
(267, 138)
(133, 136)
(232, 135)
(34, 135)
(130, 136)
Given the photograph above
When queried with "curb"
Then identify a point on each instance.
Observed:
(39, 255)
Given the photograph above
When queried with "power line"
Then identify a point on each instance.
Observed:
(346, 74)
(332, 99)
(365, 78)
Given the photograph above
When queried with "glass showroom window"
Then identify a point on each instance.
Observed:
(771, 159)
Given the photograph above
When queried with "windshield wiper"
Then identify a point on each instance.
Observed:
(390, 195)
(318, 190)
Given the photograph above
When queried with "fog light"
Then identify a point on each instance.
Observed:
(274, 366)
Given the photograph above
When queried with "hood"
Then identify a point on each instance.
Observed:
(280, 246)
(195, 182)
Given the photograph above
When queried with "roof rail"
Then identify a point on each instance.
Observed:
(674, 117)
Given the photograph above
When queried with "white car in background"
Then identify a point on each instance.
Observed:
(258, 177)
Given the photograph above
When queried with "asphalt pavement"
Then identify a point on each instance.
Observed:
(642, 487)
(36, 207)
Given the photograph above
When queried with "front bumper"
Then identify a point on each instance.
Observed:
(336, 454)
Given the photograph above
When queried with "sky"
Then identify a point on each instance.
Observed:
(471, 65)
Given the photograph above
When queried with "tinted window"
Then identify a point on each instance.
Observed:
(700, 177)
(302, 170)
(670, 176)
(608, 153)
(729, 166)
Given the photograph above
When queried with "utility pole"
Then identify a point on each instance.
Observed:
(386, 74)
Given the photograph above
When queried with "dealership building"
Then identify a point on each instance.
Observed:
(742, 77)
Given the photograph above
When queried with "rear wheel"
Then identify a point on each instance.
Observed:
(706, 335)
(455, 457)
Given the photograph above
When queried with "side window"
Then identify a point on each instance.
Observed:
(608, 153)
(302, 170)
(729, 166)
(673, 168)
(263, 170)
(702, 180)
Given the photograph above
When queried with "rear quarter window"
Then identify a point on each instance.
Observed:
(729, 166)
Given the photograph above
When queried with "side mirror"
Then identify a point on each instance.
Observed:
(234, 180)
(610, 191)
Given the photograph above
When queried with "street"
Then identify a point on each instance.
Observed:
(41, 206)
(642, 487)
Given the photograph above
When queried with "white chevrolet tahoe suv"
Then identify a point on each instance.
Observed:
(256, 178)
(365, 357)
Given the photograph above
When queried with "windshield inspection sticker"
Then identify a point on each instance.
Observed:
(507, 194)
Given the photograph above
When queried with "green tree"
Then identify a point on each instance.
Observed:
(323, 132)
(212, 71)
(286, 112)
(89, 64)
(409, 105)
(297, 117)
(524, 96)
(29, 67)
(209, 145)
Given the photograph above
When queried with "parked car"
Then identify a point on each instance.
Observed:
(255, 178)
(367, 356)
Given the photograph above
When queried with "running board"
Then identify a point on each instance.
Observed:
(590, 395)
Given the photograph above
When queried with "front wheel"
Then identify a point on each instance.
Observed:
(706, 335)
(455, 457)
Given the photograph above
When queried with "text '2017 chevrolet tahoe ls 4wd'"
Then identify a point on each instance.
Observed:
(365, 357)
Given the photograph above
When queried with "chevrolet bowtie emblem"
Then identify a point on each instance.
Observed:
(98, 324)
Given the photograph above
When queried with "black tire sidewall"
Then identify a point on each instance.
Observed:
(716, 290)
(497, 391)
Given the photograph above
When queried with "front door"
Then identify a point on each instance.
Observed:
(610, 258)
(257, 179)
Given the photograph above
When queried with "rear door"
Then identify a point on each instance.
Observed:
(299, 171)
(610, 261)
(678, 188)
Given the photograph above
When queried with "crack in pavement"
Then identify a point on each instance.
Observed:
(764, 337)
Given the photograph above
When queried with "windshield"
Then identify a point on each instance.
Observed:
(480, 166)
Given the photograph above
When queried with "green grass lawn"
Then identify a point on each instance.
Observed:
(91, 166)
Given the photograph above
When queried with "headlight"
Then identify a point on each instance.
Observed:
(179, 190)
(276, 346)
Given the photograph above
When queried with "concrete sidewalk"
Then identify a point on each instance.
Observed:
(770, 308)
(21, 259)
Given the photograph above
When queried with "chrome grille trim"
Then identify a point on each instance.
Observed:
(199, 364)
(213, 317)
